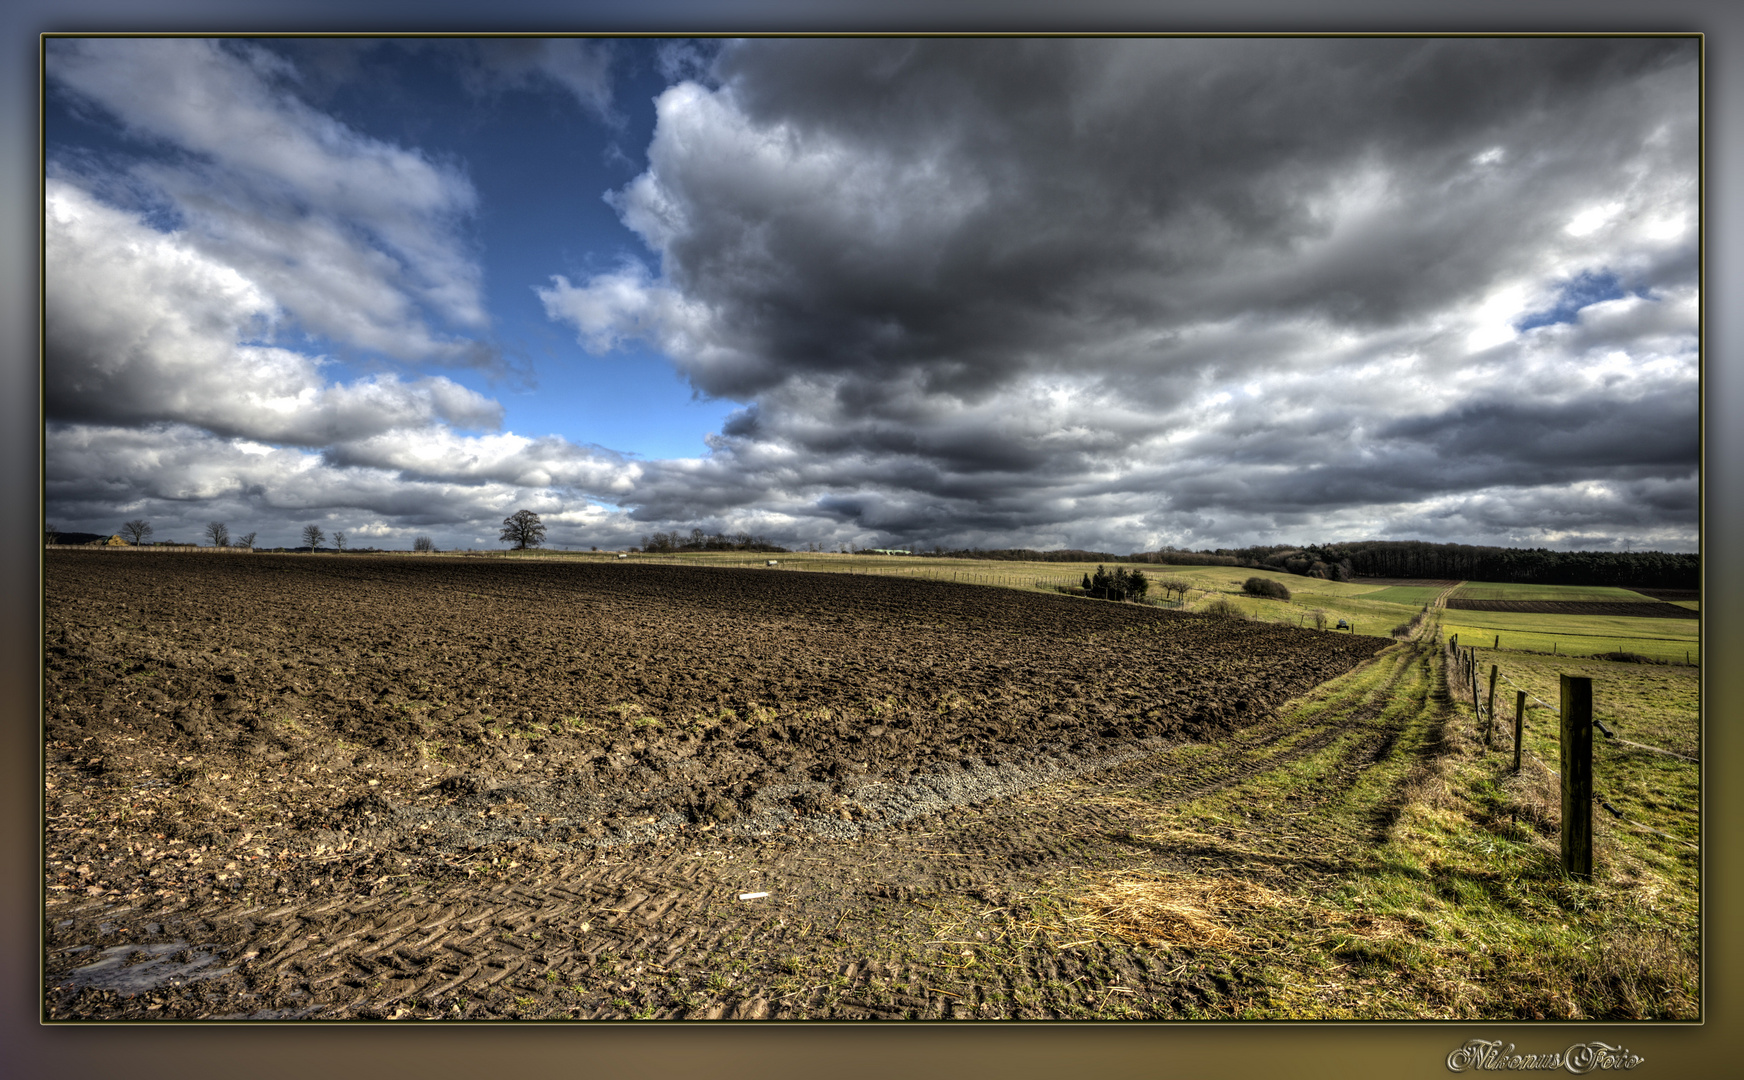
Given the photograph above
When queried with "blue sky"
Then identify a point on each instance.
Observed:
(541, 161)
(1105, 294)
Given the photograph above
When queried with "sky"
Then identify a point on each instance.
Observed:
(1115, 294)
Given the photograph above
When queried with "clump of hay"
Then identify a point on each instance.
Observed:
(1157, 909)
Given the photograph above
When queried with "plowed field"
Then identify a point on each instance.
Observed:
(1625, 609)
(311, 786)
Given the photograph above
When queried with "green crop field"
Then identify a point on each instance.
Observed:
(1659, 639)
(1490, 590)
(1413, 595)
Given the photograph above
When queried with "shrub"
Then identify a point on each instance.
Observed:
(1269, 588)
(1223, 607)
(423, 543)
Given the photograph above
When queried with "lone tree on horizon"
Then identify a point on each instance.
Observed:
(136, 530)
(523, 530)
(312, 535)
(218, 533)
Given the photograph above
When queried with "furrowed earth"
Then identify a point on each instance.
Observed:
(357, 786)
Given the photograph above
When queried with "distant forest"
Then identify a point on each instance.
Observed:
(1410, 559)
(1336, 562)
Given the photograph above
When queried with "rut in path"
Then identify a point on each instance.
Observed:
(922, 923)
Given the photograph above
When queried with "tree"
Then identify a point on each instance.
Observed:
(339, 540)
(246, 541)
(218, 534)
(312, 536)
(1120, 585)
(1176, 586)
(50, 534)
(523, 530)
(136, 530)
(423, 543)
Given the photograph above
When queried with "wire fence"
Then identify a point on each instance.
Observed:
(1462, 666)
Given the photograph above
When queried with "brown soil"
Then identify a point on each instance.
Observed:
(1625, 608)
(311, 786)
(1671, 594)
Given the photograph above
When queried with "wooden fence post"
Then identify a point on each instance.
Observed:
(1498, 643)
(1472, 669)
(1519, 724)
(1490, 708)
(1577, 776)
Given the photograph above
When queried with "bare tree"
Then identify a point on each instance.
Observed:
(523, 530)
(1177, 587)
(312, 536)
(246, 541)
(423, 543)
(136, 530)
(218, 534)
(339, 540)
(50, 534)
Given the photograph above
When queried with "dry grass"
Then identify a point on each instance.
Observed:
(1155, 909)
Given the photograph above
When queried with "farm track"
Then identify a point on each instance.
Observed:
(948, 913)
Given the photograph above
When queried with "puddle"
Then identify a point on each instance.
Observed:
(133, 969)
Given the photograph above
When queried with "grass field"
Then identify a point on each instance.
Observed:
(1384, 864)
(1411, 595)
(1659, 639)
(1489, 590)
(1358, 604)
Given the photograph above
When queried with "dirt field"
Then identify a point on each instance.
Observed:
(1624, 609)
(1671, 594)
(311, 786)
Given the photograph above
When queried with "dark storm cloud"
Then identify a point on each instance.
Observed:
(1112, 294)
(1236, 281)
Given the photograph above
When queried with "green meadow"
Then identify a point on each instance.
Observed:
(1489, 590)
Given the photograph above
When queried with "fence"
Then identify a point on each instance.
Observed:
(1574, 749)
(103, 546)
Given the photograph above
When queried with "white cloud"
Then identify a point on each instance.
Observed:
(357, 239)
(144, 327)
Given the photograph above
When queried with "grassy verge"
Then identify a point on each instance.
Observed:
(1397, 869)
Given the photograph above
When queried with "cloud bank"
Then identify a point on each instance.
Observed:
(1113, 294)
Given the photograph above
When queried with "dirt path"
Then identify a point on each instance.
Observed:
(479, 890)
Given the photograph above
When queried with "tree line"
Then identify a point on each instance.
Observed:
(668, 542)
(1522, 566)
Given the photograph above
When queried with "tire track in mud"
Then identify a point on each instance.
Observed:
(648, 931)
(1241, 758)
(855, 924)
